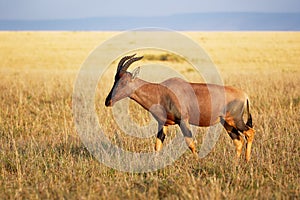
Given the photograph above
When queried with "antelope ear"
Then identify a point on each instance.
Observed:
(136, 72)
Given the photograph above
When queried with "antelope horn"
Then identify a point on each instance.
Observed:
(122, 61)
(128, 63)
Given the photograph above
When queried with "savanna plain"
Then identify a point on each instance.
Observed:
(42, 156)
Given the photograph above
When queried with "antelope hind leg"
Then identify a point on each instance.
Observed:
(249, 137)
(237, 139)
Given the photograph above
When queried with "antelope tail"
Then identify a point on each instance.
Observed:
(249, 120)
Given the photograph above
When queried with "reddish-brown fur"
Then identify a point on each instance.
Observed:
(176, 101)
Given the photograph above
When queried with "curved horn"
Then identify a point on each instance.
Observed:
(122, 61)
(128, 63)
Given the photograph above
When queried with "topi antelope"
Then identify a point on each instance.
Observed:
(171, 102)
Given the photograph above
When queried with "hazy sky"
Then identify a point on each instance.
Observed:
(65, 9)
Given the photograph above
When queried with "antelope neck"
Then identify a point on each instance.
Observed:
(145, 93)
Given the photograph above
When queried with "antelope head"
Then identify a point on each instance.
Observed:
(124, 81)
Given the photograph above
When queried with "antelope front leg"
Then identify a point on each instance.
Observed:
(185, 128)
(162, 131)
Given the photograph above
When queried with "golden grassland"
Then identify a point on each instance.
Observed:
(41, 155)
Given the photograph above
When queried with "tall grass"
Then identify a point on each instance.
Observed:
(41, 155)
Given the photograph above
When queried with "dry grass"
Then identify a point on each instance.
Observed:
(41, 155)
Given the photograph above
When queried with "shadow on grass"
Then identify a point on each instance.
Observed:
(75, 150)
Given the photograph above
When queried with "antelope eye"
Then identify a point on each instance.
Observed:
(123, 82)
